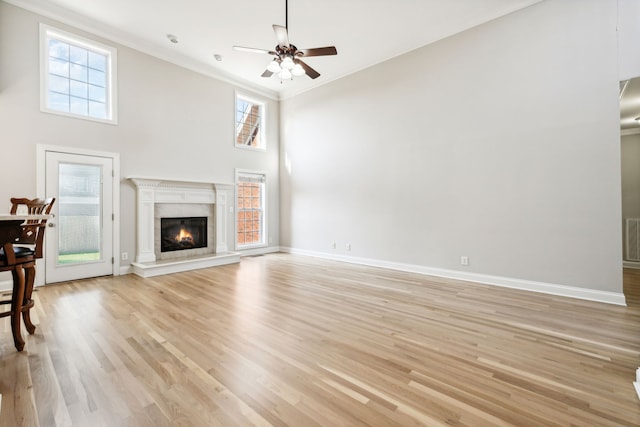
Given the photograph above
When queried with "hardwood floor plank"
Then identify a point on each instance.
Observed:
(285, 340)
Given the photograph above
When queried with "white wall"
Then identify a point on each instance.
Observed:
(500, 144)
(628, 39)
(173, 123)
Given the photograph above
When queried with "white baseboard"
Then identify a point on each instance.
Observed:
(259, 251)
(631, 264)
(526, 285)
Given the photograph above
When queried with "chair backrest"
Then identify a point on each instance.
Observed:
(32, 230)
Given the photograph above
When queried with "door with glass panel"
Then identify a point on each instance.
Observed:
(79, 239)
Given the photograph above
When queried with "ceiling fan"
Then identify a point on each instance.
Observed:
(287, 60)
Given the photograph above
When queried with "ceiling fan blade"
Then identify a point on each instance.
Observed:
(319, 51)
(267, 73)
(253, 50)
(310, 71)
(282, 36)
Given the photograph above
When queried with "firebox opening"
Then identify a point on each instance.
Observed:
(177, 234)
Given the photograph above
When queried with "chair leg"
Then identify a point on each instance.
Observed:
(16, 306)
(30, 275)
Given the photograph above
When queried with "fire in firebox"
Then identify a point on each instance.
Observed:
(178, 234)
(184, 236)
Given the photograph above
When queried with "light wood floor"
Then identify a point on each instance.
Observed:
(284, 340)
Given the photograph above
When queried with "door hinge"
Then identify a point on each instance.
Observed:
(113, 217)
(112, 260)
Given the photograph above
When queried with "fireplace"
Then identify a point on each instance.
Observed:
(182, 201)
(179, 234)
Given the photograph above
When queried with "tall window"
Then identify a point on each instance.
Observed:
(250, 209)
(249, 123)
(78, 76)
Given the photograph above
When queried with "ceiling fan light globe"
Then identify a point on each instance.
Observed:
(287, 63)
(298, 71)
(274, 67)
(284, 74)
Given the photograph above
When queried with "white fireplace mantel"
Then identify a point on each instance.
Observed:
(151, 191)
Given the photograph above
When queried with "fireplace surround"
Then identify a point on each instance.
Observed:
(161, 198)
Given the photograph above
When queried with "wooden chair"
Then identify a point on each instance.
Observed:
(20, 258)
(8, 262)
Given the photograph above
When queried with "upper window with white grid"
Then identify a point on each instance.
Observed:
(78, 76)
(249, 123)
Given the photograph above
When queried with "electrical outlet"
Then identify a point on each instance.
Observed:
(333, 245)
(464, 260)
(348, 246)
(125, 256)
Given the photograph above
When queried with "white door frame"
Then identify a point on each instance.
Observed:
(41, 151)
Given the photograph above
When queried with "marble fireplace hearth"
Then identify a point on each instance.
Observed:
(156, 198)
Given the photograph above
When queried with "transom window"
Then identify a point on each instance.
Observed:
(250, 209)
(77, 76)
(249, 123)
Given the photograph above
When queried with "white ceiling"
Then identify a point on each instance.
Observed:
(365, 32)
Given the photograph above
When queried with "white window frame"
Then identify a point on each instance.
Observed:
(47, 32)
(263, 232)
(263, 125)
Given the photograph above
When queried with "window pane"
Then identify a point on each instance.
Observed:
(79, 89)
(79, 213)
(248, 123)
(58, 49)
(97, 110)
(250, 210)
(58, 101)
(58, 84)
(97, 61)
(97, 77)
(79, 106)
(58, 67)
(97, 93)
(79, 72)
(78, 55)
(256, 140)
